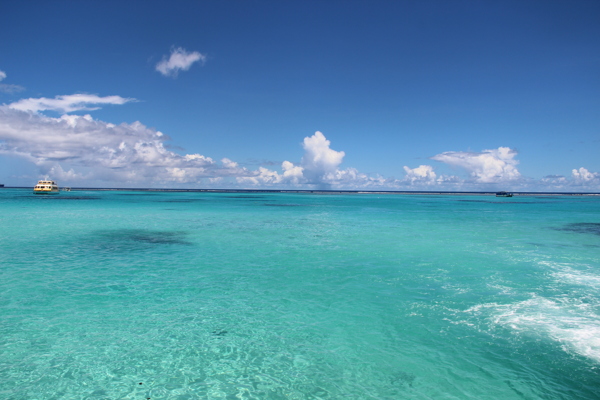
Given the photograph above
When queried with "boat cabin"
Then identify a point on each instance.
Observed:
(45, 186)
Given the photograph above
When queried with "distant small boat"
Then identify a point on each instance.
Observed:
(504, 194)
(46, 187)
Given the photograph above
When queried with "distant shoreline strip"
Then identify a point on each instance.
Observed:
(407, 192)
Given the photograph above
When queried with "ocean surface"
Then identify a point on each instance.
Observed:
(169, 295)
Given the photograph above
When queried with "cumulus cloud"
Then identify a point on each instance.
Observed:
(228, 163)
(319, 160)
(488, 166)
(267, 177)
(319, 167)
(582, 175)
(581, 180)
(67, 103)
(179, 60)
(423, 174)
(292, 174)
(2, 75)
(351, 178)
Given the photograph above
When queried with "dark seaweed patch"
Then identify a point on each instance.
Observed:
(157, 237)
(402, 378)
(284, 205)
(592, 228)
(139, 239)
(49, 197)
(181, 201)
(501, 202)
(137, 194)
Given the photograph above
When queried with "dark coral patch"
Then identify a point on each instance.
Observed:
(582, 227)
(138, 239)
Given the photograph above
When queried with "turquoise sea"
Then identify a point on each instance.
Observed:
(195, 295)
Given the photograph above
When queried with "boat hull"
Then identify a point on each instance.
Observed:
(46, 192)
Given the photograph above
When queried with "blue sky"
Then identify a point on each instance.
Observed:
(406, 95)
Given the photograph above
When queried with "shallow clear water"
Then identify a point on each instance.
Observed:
(163, 295)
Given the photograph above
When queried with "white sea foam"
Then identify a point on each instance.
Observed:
(573, 276)
(576, 328)
(570, 320)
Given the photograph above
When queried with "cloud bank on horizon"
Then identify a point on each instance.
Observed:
(78, 149)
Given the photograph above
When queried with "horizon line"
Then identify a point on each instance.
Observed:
(320, 191)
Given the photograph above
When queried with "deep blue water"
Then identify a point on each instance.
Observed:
(166, 295)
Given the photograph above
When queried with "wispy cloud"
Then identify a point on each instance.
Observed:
(67, 103)
(8, 88)
(179, 60)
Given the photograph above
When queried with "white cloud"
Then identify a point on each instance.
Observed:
(179, 60)
(227, 163)
(319, 160)
(80, 150)
(582, 175)
(557, 181)
(58, 173)
(488, 166)
(89, 149)
(319, 166)
(67, 103)
(293, 174)
(423, 174)
(6, 88)
(350, 178)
